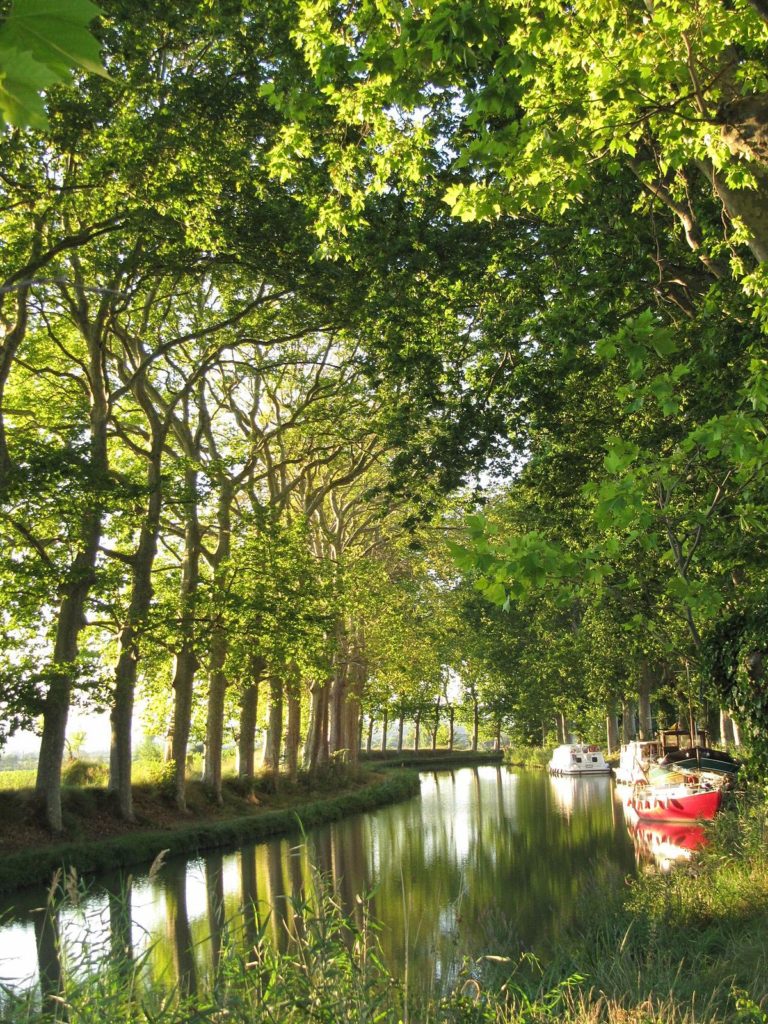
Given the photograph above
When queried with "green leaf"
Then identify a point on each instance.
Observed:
(55, 33)
(620, 456)
(663, 342)
(22, 79)
(497, 593)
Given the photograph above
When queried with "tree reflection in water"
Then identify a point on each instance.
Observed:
(485, 861)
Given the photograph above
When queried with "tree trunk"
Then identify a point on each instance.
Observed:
(727, 737)
(497, 737)
(384, 724)
(451, 726)
(627, 722)
(11, 337)
(645, 687)
(736, 733)
(246, 754)
(121, 718)
(357, 673)
(352, 729)
(369, 740)
(293, 731)
(70, 621)
(745, 204)
(315, 745)
(436, 725)
(612, 730)
(400, 726)
(274, 729)
(563, 732)
(218, 681)
(186, 661)
(475, 722)
(417, 734)
(76, 587)
(338, 696)
(214, 725)
(324, 754)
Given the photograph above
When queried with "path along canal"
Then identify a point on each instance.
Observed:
(485, 861)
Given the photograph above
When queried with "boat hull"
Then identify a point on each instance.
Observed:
(655, 805)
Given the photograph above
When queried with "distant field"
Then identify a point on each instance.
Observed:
(87, 772)
(19, 778)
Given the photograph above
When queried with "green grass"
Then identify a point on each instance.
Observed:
(426, 759)
(17, 778)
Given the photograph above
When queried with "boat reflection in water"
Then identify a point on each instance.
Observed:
(667, 844)
(575, 794)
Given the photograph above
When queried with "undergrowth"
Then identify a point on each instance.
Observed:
(528, 757)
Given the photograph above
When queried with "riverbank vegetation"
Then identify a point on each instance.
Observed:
(678, 948)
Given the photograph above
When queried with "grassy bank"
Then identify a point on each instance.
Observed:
(243, 818)
(426, 759)
(539, 757)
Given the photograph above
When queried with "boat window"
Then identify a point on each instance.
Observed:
(594, 759)
(578, 760)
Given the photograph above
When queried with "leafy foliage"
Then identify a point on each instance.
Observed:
(41, 43)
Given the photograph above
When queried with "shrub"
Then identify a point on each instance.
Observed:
(82, 772)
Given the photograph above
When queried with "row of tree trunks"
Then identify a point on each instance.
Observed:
(293, 730)
(273, 740)
(612, 729)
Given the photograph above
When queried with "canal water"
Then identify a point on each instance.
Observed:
(486, 861)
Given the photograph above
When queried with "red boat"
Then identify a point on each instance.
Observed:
(676, 803)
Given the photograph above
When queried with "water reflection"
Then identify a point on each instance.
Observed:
(660, 845)
(484, 861)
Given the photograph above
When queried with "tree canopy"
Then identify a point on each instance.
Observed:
(296, 300)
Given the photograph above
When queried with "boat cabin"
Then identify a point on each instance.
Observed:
(636, 758)
(578, 759)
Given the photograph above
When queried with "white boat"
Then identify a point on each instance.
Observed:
(578, 759)
(635, 760)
